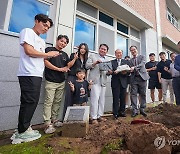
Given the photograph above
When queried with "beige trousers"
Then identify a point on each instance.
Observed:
(53, 97)
(165, 84)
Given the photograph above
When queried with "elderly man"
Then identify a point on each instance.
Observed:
(98, 76)
(139, 79)
(119, 82)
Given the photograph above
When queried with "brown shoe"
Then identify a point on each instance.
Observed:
(94, 121)
(100, 119)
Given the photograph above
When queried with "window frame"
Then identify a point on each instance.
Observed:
(8, 17)
(125, 37)
(173, 19)
(88, 21)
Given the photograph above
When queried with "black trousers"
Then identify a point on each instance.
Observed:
(68, 101)
(119, 96)
(30, 92)
(176, 88)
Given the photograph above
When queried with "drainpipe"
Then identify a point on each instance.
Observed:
(158, 27)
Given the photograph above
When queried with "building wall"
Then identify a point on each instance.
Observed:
(146, 8)
(166, 27)
(9, 85)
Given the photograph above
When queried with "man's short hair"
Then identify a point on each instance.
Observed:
(151, 54)
(172, 53)
(43, 18)
(162, 53)
(104, 45)
(63, 36)
(132, 47)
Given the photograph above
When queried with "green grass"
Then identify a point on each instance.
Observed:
(113, 146)
(35, 147)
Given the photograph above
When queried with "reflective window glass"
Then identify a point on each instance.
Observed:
(84, 33)
(106, 36)
(105, 18)
(23, 12)
(134, 33)
(122, 43)
(122, 28)
(86, 8)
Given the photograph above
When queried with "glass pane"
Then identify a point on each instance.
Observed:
(137, 44)
(84, 33)
(134, 32)
(105, 18)
(122, 43)
(122, 28)
(23, 12)
(3, 7)
(169, 17)
(106, 36)
(86, 8)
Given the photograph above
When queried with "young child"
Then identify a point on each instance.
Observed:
(80, 88)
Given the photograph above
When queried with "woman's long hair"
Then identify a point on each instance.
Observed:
(86, 54)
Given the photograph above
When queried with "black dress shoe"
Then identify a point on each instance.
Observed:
(134, 114)
(143, 113)
(122, 114)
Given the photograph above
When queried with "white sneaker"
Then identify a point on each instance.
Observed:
(50, 129)
(16, 132)
(28, 135)
(57, 123)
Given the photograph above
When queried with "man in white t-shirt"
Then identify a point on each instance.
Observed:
(30, 73)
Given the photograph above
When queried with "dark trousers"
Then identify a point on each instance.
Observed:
(176, 88)
(138, 85)
(68, 94)
(119, 96)
(30, 92)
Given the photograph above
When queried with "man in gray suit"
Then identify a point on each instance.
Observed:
(139, 77)
(98, 74)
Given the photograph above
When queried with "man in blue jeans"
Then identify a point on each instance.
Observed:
(176, 80)
(30, 73)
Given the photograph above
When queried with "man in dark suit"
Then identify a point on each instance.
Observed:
(139, 77)
(119, 84)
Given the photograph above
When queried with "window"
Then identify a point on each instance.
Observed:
(86, 8)
(137, 44)
(122, 28)
(106, 36)
(134, 33)
(3, 9)
(23, 12)
(122, 43)
(84, 33)
(105, 18)
(172, 18)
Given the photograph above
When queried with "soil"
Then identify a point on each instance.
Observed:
(120, 136)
